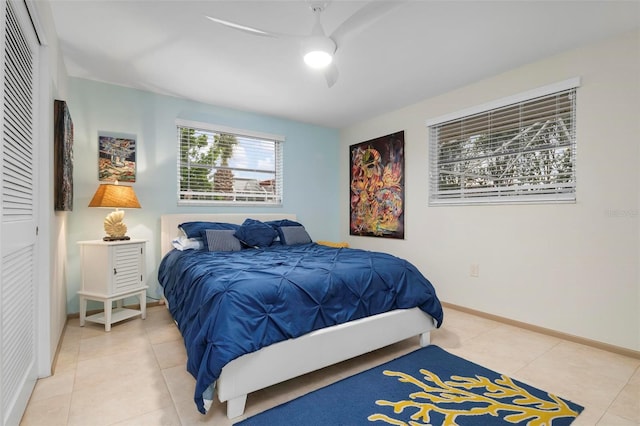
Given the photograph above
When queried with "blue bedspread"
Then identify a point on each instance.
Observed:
(228, 304)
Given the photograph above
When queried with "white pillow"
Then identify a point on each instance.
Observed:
(184, 243)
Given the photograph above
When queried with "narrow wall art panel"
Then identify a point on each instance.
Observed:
(377, 187)
(62, 157)
(116, 157)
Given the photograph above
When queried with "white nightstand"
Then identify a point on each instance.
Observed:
(112, 271)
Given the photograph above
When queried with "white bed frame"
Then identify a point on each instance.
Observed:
(318, 349)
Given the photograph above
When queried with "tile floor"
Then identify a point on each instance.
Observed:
(135, 375)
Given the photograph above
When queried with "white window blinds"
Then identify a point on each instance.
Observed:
(519, 152)
(227, 166)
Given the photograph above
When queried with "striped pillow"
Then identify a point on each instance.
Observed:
(222, 240)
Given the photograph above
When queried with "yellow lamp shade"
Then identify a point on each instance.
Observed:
(114, 195)
(118, 197)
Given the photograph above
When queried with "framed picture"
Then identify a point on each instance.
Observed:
(116, 157)
(377, 187)
(62, 157)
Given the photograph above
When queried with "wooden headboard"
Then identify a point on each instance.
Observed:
(169, 223)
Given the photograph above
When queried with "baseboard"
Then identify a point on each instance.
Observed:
(96, 311)
(547, 331)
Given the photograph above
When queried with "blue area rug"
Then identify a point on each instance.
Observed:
(427, 387)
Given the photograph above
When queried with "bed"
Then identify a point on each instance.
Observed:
(250, 366)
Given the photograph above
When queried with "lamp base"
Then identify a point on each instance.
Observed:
(124, 237)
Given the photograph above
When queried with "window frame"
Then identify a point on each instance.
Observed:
(239, 198)
(499, 194)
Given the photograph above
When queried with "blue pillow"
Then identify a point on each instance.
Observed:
(196, 229)
(254, 233)
(222, 240)
(282, 222)
(294, 235)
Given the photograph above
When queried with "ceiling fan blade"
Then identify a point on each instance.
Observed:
(331, 74)
(246, 29)
(364, 17)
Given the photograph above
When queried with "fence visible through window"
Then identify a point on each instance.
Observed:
(521, 152)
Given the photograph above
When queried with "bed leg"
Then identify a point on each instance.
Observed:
(425, 339)
(235, 406)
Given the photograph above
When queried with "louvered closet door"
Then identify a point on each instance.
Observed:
(18, 214)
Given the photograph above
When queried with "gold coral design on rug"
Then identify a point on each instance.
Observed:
(496, 398)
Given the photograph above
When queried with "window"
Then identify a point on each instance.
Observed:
(521, 149)
(218, 165)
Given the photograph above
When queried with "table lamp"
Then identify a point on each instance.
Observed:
(118, 197)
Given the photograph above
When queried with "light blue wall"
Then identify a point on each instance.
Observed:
(311, 158)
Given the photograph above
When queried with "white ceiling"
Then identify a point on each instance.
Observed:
(417, 50)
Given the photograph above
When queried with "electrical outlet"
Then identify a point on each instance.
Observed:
(474, 270)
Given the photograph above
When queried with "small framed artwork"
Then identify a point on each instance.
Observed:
(377, 187)
(116, 157)
(62, 157)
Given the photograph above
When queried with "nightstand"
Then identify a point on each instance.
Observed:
(111, 272)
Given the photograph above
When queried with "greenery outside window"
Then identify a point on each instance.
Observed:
(219, 165)
(517, 150)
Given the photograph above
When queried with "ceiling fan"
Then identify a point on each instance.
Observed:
(319, 49)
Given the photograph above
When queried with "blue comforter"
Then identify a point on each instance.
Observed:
(228, 304)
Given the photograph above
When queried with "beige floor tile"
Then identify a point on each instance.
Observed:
(612, 420)
(587, 376)
(158, 316)
(170, 354)
(66, 360)
(163, 417)
(119, 400)
(61, 383)
(52, 411)
(158, 313)
(97, 373)
(164, 332)
(627, 403)
(69, 350)
(112, 343)
(588, 417)
(181, 387)
(465, 326)
(71, 337)
(506, 349)
(446, 337)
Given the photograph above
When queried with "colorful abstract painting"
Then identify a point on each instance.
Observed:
(377, 187)
(116, 158)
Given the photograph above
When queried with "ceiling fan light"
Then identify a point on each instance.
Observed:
(318, 52)
(318, 59)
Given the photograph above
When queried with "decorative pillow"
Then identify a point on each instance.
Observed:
(254, 233)
(294, 235)
(185, 243)
(222, 240)
(196, 229)
(282, 222)
(279, 224)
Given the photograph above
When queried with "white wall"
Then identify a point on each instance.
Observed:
(52, 225)
(569, 267)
